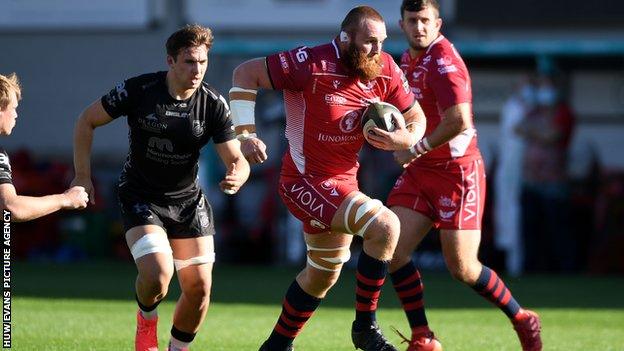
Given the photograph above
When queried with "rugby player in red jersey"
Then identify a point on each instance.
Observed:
(443, 184)
(326, 89)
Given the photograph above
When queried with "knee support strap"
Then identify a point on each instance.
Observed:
(150, 243)
(361, 212)
(328, 259)
(194, 261)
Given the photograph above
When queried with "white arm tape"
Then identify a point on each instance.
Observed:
(150, 243)
(242, 110)
(194, 261)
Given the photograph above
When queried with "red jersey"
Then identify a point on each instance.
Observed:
(439, 79)
(324, 106)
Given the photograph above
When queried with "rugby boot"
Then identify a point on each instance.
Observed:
(528, 327)
(422, 339)
(146, 338)
(265, 347)
(370, 339)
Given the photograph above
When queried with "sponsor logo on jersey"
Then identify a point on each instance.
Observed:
(335, 99)
(284, 62)
(340, 139)
(302, 54)
(470, 202)
(349, 121)
(308, 200)
(160, 144)
(444, 61)
(417, 93)
(426, 59)
(406, 86)
(176, 114)
(447, 69)
(336, 83)
(327, 66)
(118, 94)
(152, 124)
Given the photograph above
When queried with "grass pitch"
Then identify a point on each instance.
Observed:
(90, 306)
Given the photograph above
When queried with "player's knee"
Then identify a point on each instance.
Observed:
(463, 271)
(155, 283)
(385, 230)
(199, 291)
(317, 282)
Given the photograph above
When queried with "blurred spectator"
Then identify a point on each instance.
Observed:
(545, 194)
(508, 175)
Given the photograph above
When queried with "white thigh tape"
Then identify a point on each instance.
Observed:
(150, 243)
(194, 261)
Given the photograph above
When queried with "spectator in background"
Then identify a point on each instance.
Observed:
(508, 175)
(547, 132)
(25, 208)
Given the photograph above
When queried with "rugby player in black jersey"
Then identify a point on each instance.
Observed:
(24, 208)
(171, 116)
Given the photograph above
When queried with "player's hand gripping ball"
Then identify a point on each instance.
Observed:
(380, 115)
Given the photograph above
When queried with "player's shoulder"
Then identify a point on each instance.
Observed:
(212, 95)
(146, 81)
(442, 47)
(389, 65)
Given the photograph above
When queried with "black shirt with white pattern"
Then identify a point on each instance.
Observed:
(166, 135)
(5, 168)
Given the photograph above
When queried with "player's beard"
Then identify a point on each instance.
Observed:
(365, 67)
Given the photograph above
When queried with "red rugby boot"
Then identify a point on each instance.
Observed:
(146, 336)
(528, 327)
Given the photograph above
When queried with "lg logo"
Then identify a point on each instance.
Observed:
(301, 54)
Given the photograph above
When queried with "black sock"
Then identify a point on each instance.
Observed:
(297, 308)
(370, 275)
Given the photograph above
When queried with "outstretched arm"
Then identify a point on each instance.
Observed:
(91, 118)
(26, 208)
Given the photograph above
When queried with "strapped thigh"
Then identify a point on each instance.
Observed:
(150, 243)
(194, 261)
(328, 259)
(360, 213)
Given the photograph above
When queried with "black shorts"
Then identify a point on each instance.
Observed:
(189, 219)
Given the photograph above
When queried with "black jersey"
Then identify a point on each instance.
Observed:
(166, 135)
(5, 168)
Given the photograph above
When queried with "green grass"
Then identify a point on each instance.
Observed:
(90, 307)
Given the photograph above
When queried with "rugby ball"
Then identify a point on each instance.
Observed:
(379, 114)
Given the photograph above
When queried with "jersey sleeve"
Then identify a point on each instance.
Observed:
(449, 79)
(399, 93)
(119, 100)
(290, 70)
(5, 168)
(223, 127)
